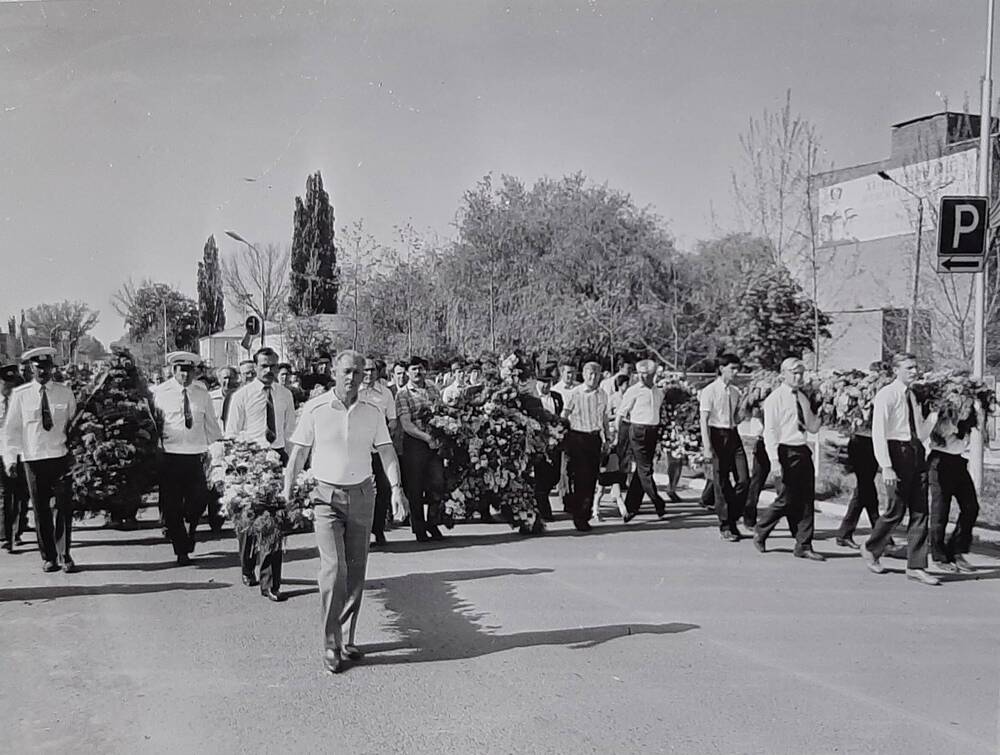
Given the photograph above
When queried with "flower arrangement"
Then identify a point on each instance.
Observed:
(846, 398)
(680, 431)
(954, 395)
(755, 391)
(114, 442)
(250, 479)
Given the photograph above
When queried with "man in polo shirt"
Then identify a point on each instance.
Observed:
(586, 408)
(189, 427)
(374, 391)
(640, 407)
(35, 428)
(340, 430)
(263, 411)
(719, 402)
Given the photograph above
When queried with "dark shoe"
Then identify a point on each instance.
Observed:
(333, 661)
(379, 540)
(249, 580)
(809, 554)
(185, 560)
(627, 518)
(749, 524)
(18, 540)
(582, 526)
(759, 544)
(674, 498)
(8, 547)
(353, 652)
(848, 542)
(69, 566)
(50, 566)
(273, 595)
(661, 515)
(435, 533)
(736, 534)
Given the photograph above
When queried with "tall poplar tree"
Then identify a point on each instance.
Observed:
(314, 279)
(211, 307)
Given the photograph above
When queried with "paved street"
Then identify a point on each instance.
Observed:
(656, 637)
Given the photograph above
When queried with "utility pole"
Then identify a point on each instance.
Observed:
(985, 160)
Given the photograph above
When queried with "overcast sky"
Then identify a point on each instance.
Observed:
(127, 128)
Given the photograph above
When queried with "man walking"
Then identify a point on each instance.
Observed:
(264, 412)
(189, 427)
(721, 443)
(898, 433)
(640, 407)
(35, 429)
(586, 408)
(374, 392)
(548, 465)
(222, 397)
(787, 419)
(339, 430)
(13, 488)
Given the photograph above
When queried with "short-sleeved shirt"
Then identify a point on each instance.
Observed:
(722, 402)
(419, 404)
(341, 438)
(586, 410)
(380, 395)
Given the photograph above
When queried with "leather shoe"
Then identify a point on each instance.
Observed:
(183, 560)
(250, 580)
(628, 518)
(379, 540)
(759, 544)
(50, 566)
(848, 542)
(674, 498)
(582, 526)
(69, 567)
(273, 595)
(435, 533)
(333, 661)
(809, 554)
(423, 539)
(963, 566)
(922, 576)
(729, 536)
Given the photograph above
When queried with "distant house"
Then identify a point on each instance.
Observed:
(226, 346)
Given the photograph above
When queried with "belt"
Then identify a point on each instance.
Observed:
(586, 432)
(352, 486)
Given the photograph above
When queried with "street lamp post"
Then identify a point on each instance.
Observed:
(263, 303)
(911, 316)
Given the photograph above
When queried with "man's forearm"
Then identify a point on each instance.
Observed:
(296, 463)
(390, 463)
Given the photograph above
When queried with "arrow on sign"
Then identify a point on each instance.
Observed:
(951, 263)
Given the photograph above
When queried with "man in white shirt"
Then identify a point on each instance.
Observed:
(14, 488)
(948, 477)
(455, 389)
(547, 465)
(640, 407)
(608, 384)
(788, 418)
(374, 391)
(189, 427)
(586, 408)
(898, 434)
(567, 381)
(222, 397)
(263, 411)
(340, 430)
(719, 409)
(38, 418)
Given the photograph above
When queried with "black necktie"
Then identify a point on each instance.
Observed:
(6, 406)
(914, 438)
(802, 416)
(225, 408)
(46, 412)
(188, 419)
(271, 434)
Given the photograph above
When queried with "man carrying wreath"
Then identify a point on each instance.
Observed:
(340, 431)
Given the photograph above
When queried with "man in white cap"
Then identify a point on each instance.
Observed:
(189, 427)
(262, 411)
(787, 418)
(38, 418)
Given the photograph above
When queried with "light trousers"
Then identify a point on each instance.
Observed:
(343, 521)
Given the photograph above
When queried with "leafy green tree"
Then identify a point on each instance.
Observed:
(314, 276)
(64, 321)
(211, 303)
(144, 306)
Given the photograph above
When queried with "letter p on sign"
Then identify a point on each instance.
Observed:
(962, 233)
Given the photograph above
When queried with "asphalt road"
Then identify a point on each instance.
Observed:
(656, 637)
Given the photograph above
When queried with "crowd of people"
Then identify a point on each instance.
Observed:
(364, 432)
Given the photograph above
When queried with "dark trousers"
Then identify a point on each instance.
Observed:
(909, 495)
(729, 463)
(546, 478)
(423, 482)
(759, 471)
(53, 524)
(642, 443)
(183, 496)
(795, 499)
(862, 461)
(948, 477)
(383, 496)
(583, 465)
(253, 558)
(14, 510)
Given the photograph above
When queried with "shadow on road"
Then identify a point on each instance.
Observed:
(433, 624)
(72, 591)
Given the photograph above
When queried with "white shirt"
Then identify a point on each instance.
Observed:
(890, 420)
(248, 413)
(952, 443)
(781, 420)
(204, 430)
(641, 405)
(563, 389)
(721, 402)
(219, 402)
(452, 393)
(587, 411)
(24, 435)
(342, 439)
(608, 384)
(379, 395)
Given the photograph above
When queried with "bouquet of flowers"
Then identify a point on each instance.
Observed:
(114, 443)
(955, 396)
(680, 429)
(250, 478)
(755, 391)
(846, 398)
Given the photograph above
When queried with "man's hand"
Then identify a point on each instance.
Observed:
(400, 506)
(12, 470)
(286, 492)
(889, 476)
